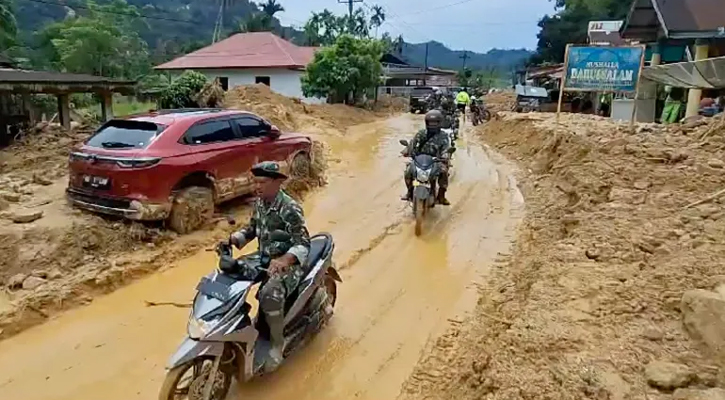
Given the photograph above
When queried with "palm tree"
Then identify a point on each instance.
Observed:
(378, 18)
(271, 7)
(8, 24)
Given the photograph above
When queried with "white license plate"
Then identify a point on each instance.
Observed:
(95, 181)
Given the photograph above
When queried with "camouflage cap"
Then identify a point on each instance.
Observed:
(269, 169)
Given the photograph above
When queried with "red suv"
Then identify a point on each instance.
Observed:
(177, 164)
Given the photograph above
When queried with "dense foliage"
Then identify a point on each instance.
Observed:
(102, 42)
(570, 23)
(346, 70)
(8, 24)
(182, 92)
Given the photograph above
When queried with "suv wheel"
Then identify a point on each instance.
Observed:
(301, 166)
(192, 208)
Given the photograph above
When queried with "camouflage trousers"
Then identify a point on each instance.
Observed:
(274, 292)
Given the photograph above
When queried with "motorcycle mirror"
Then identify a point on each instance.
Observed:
(404, 142)
(280, 236)
(451, 150)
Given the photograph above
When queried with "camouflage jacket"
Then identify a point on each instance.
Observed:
(436, 146)
(282, 214)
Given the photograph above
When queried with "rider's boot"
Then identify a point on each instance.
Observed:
(408, 195)
(276, 336)
(442, 198)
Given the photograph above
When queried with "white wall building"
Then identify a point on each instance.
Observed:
(249, 58)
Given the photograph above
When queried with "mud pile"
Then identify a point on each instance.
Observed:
(292, 114)
(500, 101)
(43, 148)
(620, 227)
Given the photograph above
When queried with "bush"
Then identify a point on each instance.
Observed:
(182, 92)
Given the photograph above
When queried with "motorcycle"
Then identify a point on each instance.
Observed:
(424, 185)
(480, 114)
(225, 342)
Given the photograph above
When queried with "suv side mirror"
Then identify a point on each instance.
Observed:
(273, 131)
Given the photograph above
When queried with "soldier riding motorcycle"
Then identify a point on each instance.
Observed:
(432, 141)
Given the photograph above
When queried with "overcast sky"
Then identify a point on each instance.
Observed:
(476, 25)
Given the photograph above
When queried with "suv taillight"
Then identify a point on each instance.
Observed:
(138, 162)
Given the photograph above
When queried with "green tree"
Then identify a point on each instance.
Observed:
(263, 19)
(323, 28)
(181, 92)
(102, 42)
(569, 25)
(378, 18)
(344, 71)
(8, 24)
(271, 7)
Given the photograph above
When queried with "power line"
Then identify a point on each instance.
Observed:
(399, 19)
(439, 7)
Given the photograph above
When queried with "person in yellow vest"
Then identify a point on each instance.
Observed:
(462, 100)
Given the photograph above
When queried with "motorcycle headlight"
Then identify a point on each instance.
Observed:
(422, 175)
(197, 328)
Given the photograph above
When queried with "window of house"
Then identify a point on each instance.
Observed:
(262, 79)
(210, 132)
(224, 81)
(251, 127)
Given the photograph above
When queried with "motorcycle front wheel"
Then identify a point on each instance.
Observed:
(418, 211)
(486, 115)
(187, 381)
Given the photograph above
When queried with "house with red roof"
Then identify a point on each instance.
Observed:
(249, 58)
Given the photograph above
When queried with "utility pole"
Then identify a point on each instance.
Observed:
(425, 66)
(350, 11)
(464, 57)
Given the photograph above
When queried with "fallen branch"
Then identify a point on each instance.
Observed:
(497, 319)
(713, 127)
(706, 199)
(167, 303)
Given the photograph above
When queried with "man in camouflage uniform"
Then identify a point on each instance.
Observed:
(434, 142)
(448, 108)
(275, 210)
(434, 100)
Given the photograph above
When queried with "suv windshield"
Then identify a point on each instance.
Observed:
(123, 134)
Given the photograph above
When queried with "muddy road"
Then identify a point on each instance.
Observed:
(399, 291)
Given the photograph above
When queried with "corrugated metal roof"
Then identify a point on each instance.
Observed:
(677, 19)
(246, 50)
(693, 15)
(11, 75)
(703, 74)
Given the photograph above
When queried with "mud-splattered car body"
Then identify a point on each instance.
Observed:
(133, 167)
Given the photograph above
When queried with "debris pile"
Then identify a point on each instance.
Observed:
(291, 113)
(500, 101)
(616, 286)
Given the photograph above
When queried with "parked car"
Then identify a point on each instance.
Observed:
(176, 165)
(418, 99)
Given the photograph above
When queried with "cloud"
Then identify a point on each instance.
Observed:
(476, 25)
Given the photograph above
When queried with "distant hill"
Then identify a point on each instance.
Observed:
(441, 56)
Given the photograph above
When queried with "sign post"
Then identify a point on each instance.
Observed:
(562, 84)
(602, 69)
